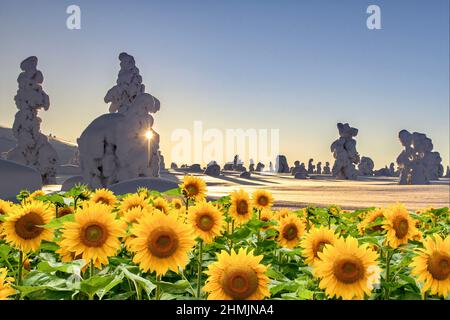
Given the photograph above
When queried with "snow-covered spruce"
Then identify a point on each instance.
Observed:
(33, 148)
(122, 145)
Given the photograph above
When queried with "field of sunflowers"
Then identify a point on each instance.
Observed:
(91, 244)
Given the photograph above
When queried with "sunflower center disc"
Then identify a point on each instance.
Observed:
(94, 235)
(319, 247)
(439, 265)
(240, 283)
(64, 212)
(102, 200)
(191, 190)
(263, 201)
(163, 242)
(290, 232)
(242, 207)
(401, 227)
(205, 222)
(28, 226)
(348, 270)
(160, 208)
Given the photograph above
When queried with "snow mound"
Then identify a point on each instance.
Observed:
(16, 177)
(69, 169)
(71, 182)
(130, 186)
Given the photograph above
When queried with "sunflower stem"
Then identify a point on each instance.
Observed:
(158, 287)
(258, 235)
(19, 274)
(389, 255)
(91, 269)
(200, 262)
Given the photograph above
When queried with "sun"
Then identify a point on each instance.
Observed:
(347, 270)
(149, 135)
(314, 242)
(193, 188)
(399, 224)
(206, 220)
(431, 265)
(24, 227)
(237, 276)
(104, 196)
(241, 208)
(262, 199)
(94, 234)
(290, 229)
(161, 243)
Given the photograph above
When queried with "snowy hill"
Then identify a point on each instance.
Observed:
(65, 150)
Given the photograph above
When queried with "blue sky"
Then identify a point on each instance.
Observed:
(300, 66)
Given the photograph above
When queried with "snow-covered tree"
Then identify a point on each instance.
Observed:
(122, 145)
(33, 148)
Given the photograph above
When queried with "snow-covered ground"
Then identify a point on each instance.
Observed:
(322, 190)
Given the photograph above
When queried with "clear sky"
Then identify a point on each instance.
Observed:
(299, 66)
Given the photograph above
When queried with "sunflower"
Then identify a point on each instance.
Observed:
(24, 227)
(144, 192)
(262, 199)
(290, 230)
(266, 216)
(241, 208)
(5, 207)
(237, 276)
(37, 193)
(207, 221)
(133, 201)
(5, 284)
(399, 225)
(432, 265)
(193, 188)
(161, 243)
(282, 213)
(94, 234)
(177, 204)
(314, 242)
(347, 270)
(134, 214)
(369, 219)
(104, 196)
(161, 204)
(64, 211)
